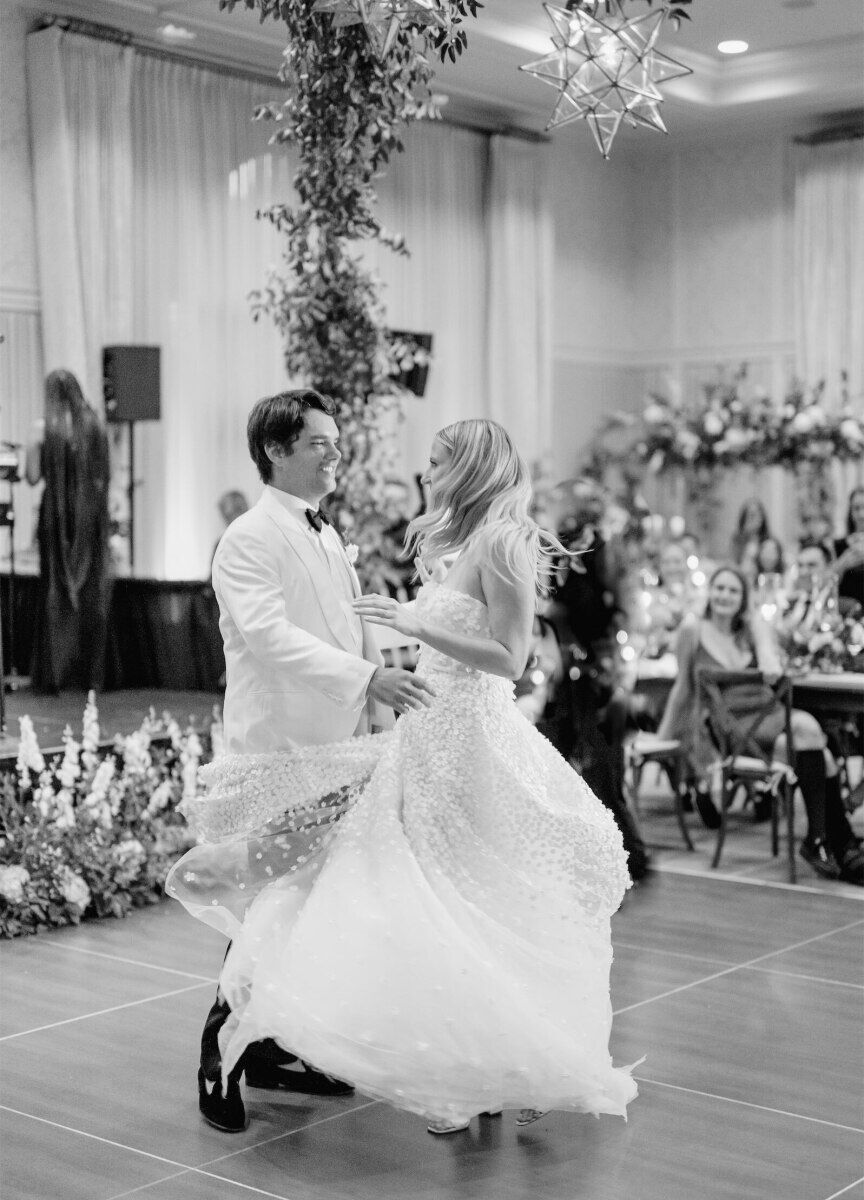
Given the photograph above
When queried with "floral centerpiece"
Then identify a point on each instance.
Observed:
(90, 834)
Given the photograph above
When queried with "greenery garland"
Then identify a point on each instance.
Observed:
(344, 116)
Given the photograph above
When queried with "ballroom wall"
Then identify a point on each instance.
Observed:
(669, 259)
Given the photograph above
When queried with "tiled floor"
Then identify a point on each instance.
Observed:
(747, 1000)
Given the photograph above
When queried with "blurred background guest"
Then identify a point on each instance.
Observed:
(69, 453)
(231, 504)
(770, 557)
(731, 638)
(850, 552)
(751, 530)
(584, 722)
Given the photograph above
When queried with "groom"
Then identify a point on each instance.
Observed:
(301, 667)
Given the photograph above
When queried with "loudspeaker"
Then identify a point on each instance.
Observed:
(415, 379)
(130, 383)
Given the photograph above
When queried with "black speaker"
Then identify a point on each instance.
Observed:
(130, 383)
(415, 379)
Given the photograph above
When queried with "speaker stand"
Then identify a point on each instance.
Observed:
(131, 494)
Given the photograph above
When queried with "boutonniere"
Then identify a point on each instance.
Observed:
(351, 552)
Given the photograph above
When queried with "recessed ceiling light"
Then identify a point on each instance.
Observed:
(732, 47)
(177, 33)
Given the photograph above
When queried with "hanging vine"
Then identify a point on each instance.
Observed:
(348, 104)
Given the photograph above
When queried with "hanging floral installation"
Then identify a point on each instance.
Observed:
(607, 71)
(90, 833)
(358, 74)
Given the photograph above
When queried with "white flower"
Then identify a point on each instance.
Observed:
(136, 752)
(654, 414)
(713, 424)
(657, 460)
(688, 444)
(29, 755)
(160, 798)
(128, 856)
(72, 888)
(802, 422)
(12, 883)
(70, 769)
(816, 414)
(852, 430)
(90, 731)
(351, 552)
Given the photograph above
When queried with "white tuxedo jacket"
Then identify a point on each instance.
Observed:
(298, 658)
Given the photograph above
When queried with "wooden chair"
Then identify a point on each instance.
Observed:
(669, 755)
(742, 761)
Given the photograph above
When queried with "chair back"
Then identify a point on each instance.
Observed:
(732, 706)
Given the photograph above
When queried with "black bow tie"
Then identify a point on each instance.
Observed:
(317, 519)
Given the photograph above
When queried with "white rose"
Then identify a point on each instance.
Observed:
(654, 414)
(73, 889)
(851, 430)
(12, 883)
(816, 414)
(802, 423)
(713, 425)
(351, 553)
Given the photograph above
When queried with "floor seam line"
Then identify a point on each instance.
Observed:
(740, 966)
(288, 1133)
(723, 877)
(846, 1189)
(153, 1182)
(782, 1112)
(133, 962)
(8, 1037)
(98, 1138)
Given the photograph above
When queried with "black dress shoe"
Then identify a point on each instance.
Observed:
(852, 865)
(706, 808)
(820, 858)
(305, 1079)
(222, 1112)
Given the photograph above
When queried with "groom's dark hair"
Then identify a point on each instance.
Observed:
(280, 418)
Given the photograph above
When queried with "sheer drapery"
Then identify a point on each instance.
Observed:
(149, 173)
(79, 97)
(829, 280)
(829, 265)
(518, 343)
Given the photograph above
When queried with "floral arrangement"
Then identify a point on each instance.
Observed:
(823, 640)
(91, 834)
(738, 424)
(357, 76)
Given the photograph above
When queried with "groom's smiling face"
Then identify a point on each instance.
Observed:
(308, 468)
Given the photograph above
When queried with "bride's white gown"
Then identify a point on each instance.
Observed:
(445, 946)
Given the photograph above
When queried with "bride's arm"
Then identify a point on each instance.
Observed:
(510, 598)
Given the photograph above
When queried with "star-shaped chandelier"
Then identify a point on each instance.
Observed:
(606, 71)
(383, 19)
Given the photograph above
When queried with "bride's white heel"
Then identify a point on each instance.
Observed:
(439, 1128)
(527, 1116)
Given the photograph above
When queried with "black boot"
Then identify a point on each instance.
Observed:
(222, 1110)
(810, 769)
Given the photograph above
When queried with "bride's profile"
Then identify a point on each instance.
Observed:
(426, 912)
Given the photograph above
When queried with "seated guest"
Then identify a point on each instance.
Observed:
(769, 557)
(850, 551)
(728, 638)
(665, 605)
(751, 530)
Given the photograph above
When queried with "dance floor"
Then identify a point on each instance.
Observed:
(746, 999)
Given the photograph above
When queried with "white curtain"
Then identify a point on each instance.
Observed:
(148, 176)
(518, 344)
(829, 265)
(79, 97)
(829, 280)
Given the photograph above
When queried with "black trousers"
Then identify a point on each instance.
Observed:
(267, 1052)
(575, 724)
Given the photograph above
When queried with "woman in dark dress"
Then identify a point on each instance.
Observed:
(850, 551)
(728, 638)
(70, 454)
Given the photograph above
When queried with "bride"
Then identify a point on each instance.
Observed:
(425, 912)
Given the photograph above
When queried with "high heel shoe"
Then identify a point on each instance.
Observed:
(820, 858)
(527, 1116)
(442, 1127)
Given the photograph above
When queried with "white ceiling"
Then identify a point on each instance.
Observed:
(806, 58)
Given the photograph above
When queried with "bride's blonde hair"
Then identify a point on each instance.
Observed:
(485, 493)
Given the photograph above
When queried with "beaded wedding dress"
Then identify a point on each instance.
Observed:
(444, 945)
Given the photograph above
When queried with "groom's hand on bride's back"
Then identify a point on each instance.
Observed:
(399, 689)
